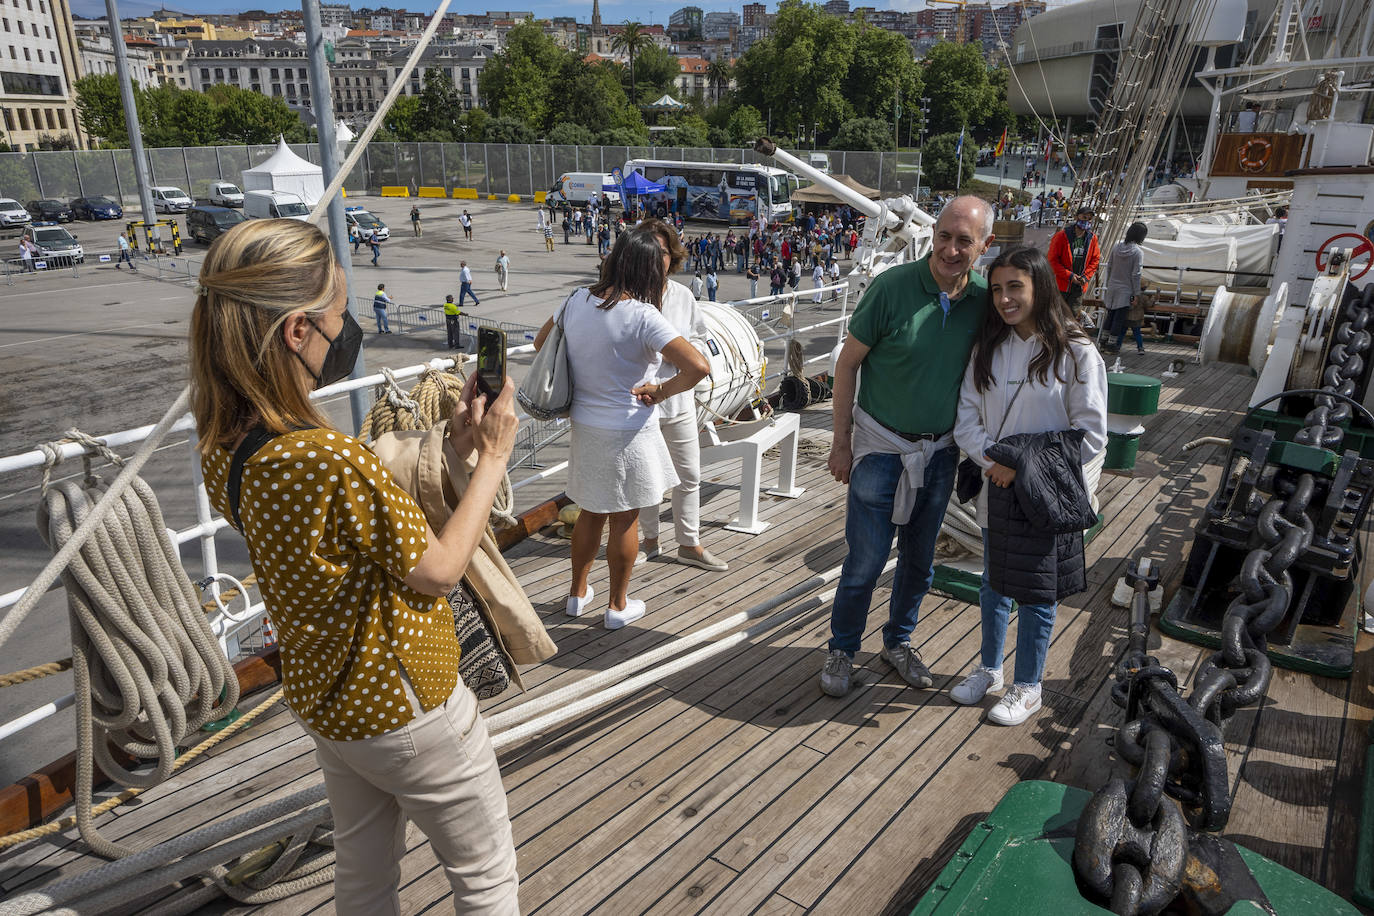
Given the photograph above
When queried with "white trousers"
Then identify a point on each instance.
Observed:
(680, 435)
(440, 772)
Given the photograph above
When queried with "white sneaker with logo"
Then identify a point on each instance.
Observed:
(1017, 705)
(974, 687)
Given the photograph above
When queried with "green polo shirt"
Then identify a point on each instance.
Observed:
(917, 354)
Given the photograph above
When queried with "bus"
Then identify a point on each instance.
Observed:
(722, 191)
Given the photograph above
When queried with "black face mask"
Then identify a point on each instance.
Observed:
(341, 355)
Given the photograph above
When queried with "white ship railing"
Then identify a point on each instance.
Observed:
(241, 631)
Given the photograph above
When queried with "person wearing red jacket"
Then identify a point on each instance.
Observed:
(1074, 255)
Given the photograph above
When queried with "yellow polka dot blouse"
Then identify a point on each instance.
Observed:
(331, 537)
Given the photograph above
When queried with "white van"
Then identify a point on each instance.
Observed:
(274, 205)
(12, 213)
(171, 200)
(225, 194)
(819, 161)
(581, 187)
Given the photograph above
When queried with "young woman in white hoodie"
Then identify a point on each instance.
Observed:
(1033, 370)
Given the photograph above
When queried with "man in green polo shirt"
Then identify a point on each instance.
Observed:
(909, 341)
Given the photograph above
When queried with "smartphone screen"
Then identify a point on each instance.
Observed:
(491, 361)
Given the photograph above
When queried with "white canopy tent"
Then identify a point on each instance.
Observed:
(285, 171)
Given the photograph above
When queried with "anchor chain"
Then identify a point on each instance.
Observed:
(1132, 846)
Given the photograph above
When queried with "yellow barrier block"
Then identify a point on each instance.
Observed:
(541, 196)
(395, 191)
(514, 199)
(464, 193)
(432, 192)
(491, 197)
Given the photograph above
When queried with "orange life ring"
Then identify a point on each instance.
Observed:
(1254, 153)
(1365, 248)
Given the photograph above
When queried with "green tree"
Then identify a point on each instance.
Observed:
(745, 125)
(657, 69)
(797, 70)
(516, 82)
(440, 108)
(939, 161)
(472, 127)
(718, 76)
(621, 136)
(591, 94)
(863, 134)
(99, 108)
(1000, 115)
(956, 79)
(883, 66)
(508, 130)
(566, 133)
(251, 117)
(631, 39)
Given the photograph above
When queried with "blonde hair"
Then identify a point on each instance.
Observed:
(254, 277)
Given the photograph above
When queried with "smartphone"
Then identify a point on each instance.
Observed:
(491, 361)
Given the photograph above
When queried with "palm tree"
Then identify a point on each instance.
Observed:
(632, 39)
(718, 74)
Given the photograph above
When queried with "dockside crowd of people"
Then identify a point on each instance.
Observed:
(371, 556)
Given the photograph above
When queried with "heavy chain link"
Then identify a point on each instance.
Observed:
(1132, 847)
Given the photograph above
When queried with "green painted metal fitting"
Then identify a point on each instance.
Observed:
(1305, 458)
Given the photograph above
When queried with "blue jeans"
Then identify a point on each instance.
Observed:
(868, 532)
(383, 326)
(465, 290)
(1034, 625)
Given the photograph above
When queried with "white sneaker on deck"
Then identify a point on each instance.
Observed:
(1017, 705)
(634, 609)
(974, 687)
(578, 606)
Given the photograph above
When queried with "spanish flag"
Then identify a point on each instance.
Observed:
(1001, 144)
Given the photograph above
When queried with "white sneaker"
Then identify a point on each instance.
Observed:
(974, 687)
(578, 606)
(1017, 705)
(634, 609)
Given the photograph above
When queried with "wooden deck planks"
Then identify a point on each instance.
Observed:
(736, 786)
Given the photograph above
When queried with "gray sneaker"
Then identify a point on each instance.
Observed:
(836, 673)
(908, 663)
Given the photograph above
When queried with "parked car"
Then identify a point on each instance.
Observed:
(12, 214)
(56, 246)
(225, 194)
(93, 208)
(167, 199)
(360, 217)
(48, 209)
(205, 224)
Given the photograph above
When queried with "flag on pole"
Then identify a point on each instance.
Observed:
(1049, 147)
(1001, 144)
(959, 147)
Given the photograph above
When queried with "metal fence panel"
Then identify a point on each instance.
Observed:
(96, 174)
(498, 168)
(204, 168)
(541, 167)
(125, 190)
(430, 165)
(519, 181)
(57, 174)
(169, 168)
(863, 168)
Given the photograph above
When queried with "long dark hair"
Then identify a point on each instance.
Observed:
(1055, 326)
(634, 268)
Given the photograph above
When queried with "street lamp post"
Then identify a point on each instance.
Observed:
(920, 150)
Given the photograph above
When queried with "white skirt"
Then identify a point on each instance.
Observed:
(613, 470)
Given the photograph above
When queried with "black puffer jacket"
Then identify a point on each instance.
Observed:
(1035, 526)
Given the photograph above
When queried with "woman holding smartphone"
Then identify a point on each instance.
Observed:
(1033, 371)
(349, 570)
(618, 463)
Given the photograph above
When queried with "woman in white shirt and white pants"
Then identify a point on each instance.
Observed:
(677, 420)
(1033, 370)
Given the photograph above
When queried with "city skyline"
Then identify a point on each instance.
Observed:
(612, 11)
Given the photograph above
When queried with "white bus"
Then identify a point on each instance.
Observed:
(718, 190)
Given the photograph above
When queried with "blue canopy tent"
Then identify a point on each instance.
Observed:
(636, 183)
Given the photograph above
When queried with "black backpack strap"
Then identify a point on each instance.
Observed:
(257, 437)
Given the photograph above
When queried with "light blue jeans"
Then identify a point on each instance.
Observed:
(868, 531)
(1034, 626)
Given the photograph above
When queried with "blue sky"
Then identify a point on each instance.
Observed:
(611, 10)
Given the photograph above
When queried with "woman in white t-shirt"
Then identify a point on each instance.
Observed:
(617, 339)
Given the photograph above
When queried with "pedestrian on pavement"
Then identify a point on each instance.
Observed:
(752, 275)
(1074, 254)
(465, 284)
(380, 300)
(415, 219)
(375, 244)
(466, 221)
(833, 274)
(355, 235)
(818, 280)
(125, 254)
(453, 323)
(26, 252)
(502, 269)
(697, 285)
(712, 284)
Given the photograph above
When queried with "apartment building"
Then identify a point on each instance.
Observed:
(275, 68)
(39, 62)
